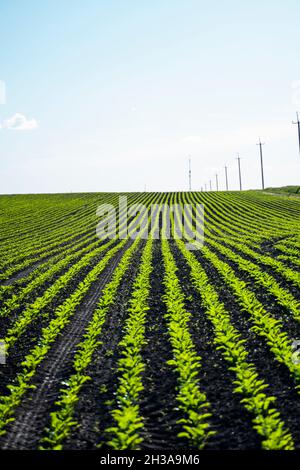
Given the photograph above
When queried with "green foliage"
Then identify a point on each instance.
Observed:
(49, 334)
(191, 400)
(266, 419)
(126, 433)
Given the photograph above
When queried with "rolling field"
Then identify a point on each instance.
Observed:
(142, 343)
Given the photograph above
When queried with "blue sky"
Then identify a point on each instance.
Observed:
(115, 95)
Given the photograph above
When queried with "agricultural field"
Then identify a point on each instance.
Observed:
(123, 343)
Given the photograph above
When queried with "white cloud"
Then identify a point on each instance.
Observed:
(19, 122)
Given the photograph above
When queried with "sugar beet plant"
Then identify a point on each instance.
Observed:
(125, 434)
(191, 399)
(266, 420)
(57, 277)
(62, 420)
(22, 384)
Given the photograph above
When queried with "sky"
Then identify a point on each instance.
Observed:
(117, 95)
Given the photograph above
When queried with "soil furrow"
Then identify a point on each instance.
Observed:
(158, 404)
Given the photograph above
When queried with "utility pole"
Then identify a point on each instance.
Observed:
(205, 186)
(210, 185)
(201, 189)
(190, 174)
(240, 175)
(261, 164)
(298, 124)
(217, 182)
(226, 177)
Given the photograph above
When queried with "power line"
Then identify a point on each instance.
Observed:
(298, 124)
(226, 177)
(240, 175)
(261, 164)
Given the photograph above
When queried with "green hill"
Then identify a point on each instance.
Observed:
(285, 190)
